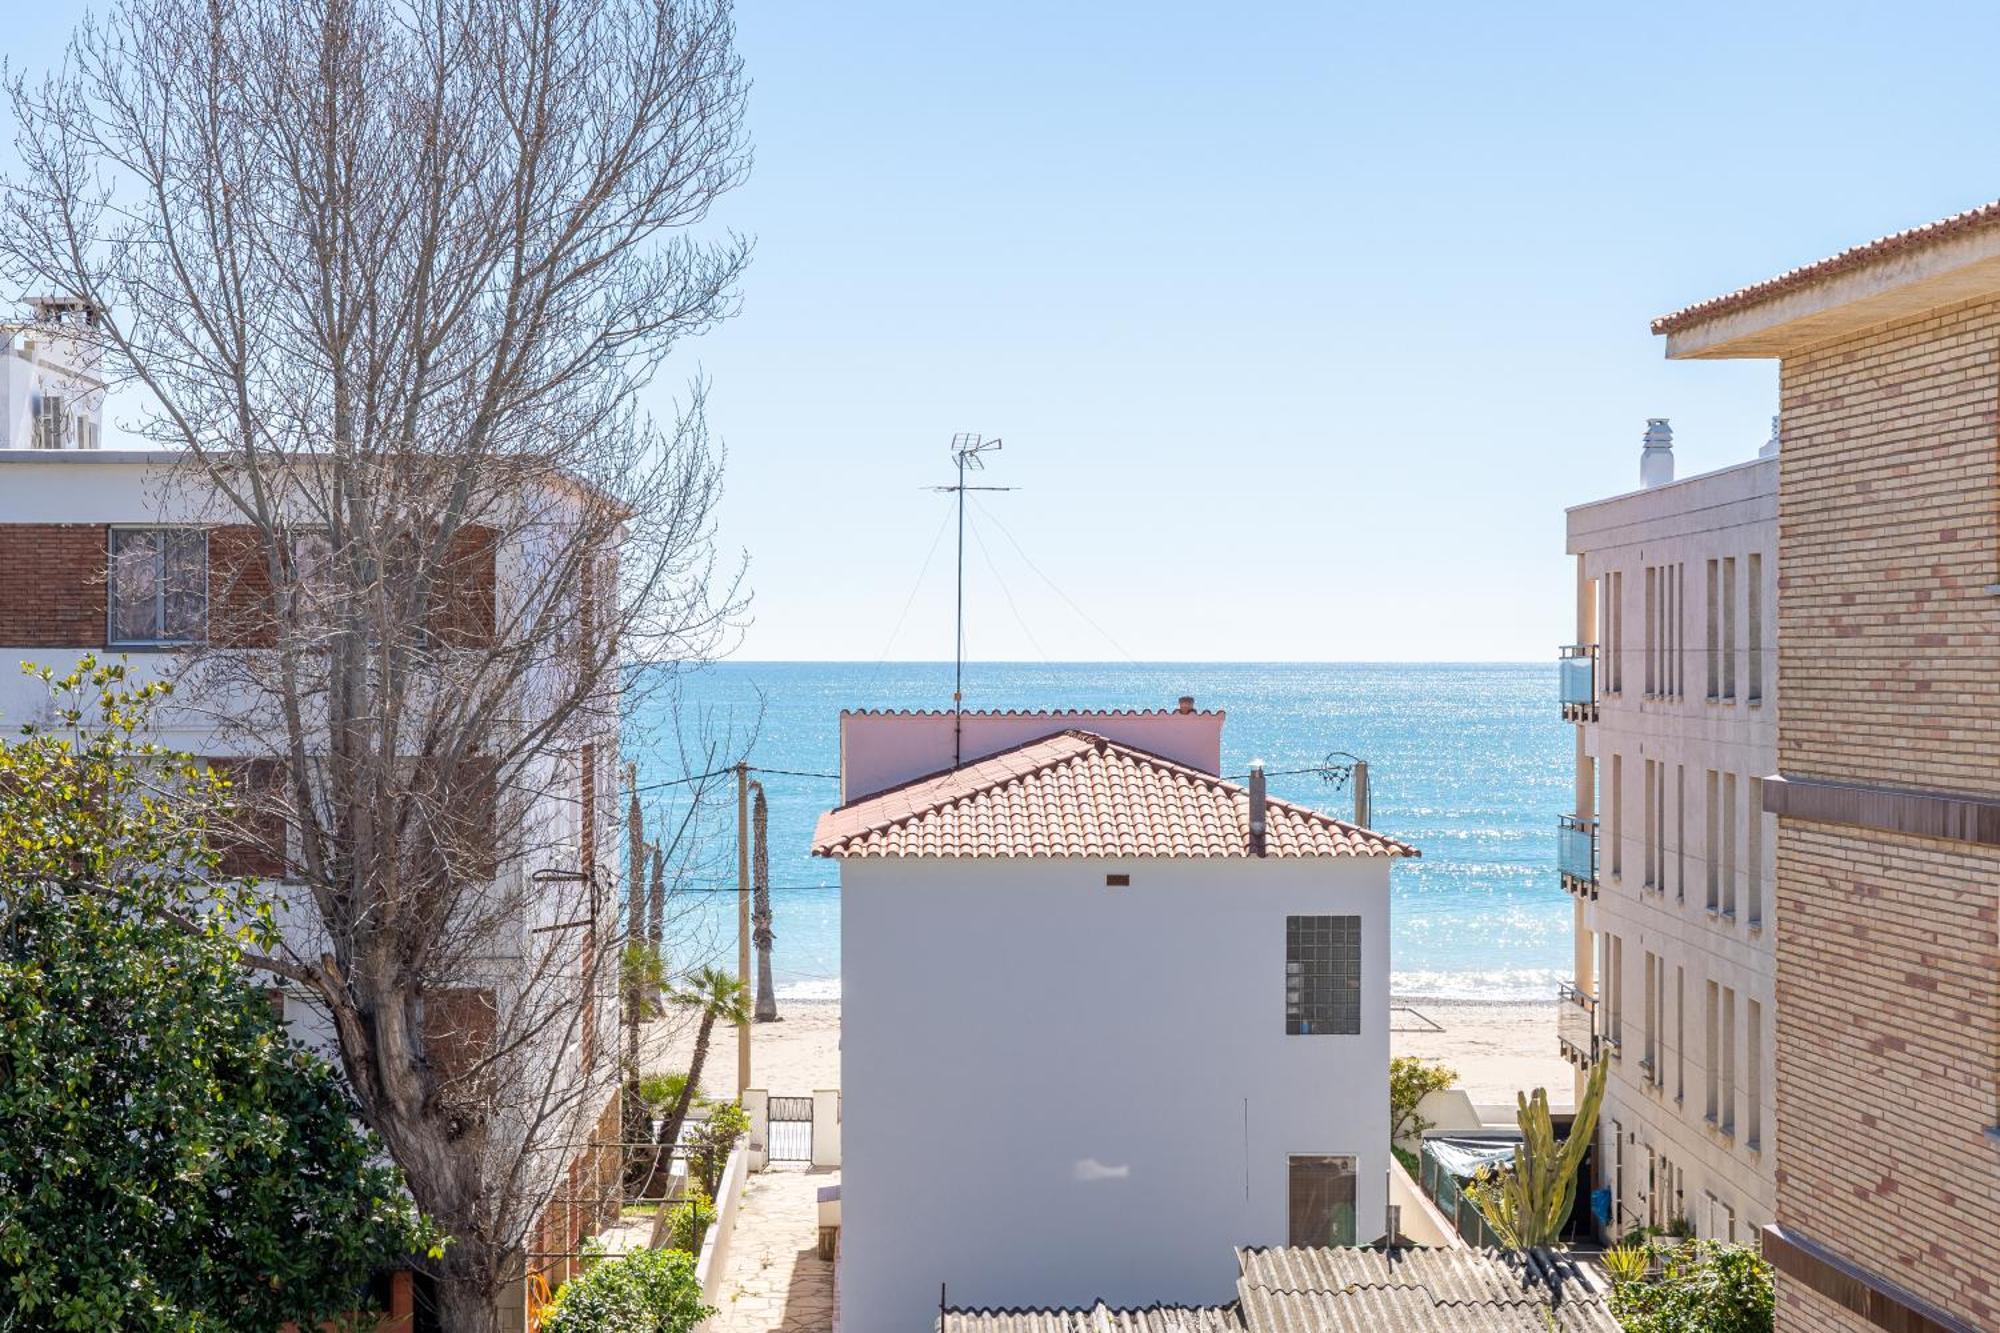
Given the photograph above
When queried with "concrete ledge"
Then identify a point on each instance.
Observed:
(1876, 1299)
(1951, 816)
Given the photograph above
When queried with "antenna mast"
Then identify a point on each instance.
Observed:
(966, 448)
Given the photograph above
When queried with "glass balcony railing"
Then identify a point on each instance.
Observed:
(1576, 854)
(1578, 666)
(1576, 1025)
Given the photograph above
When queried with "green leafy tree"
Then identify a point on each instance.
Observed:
(1411, 1079)
(169, 1157)
(716, 997)
(1527, 1203)
(1704, 1287)
(648, 1291)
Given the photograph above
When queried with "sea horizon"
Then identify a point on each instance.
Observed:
(1468, 761)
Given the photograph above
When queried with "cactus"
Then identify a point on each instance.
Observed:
(1526, 1204)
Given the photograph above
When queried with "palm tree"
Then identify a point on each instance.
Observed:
(718, 998)
(760, 910)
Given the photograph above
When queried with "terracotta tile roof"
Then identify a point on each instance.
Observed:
(1975, 219)
(1411, 1290)
(1078, 794)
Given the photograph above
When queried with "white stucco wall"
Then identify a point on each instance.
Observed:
(1056, 1091)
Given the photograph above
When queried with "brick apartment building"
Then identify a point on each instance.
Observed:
(113, 552)
(1888, 785)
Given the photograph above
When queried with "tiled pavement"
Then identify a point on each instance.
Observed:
(776, 1282)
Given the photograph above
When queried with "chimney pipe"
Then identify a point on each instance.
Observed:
(1256, 807)
(1656, 459)
(1187, 703)
(1770, 448)
(1364, 813)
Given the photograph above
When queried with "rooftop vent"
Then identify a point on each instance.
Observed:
(1656, 459)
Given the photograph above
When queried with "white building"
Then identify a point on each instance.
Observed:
(50, 393)
(123, 554)
(1670, 855)
(1105, 1014)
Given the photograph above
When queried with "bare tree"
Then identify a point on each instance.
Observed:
(392, 276)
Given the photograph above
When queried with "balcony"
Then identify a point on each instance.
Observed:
(1576, 854)
(1576, 1026)
(1578, 663)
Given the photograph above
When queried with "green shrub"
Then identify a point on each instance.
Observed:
(1703, 1285)
(692, 1218)
(1412, 1079)
(648, 1291)
(1626, 1263)
(710, 1143)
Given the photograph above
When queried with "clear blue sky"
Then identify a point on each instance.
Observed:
(1302, 323)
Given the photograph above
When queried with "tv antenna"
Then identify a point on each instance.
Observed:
(966, 450)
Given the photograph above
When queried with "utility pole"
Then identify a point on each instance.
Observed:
(742, 919)
(966, 448)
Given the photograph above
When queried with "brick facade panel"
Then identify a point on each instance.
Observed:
(1890, 539)
(52, 584)
(1883, 1113)
(1803, 1310)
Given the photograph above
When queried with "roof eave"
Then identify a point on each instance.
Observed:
(1781, 318)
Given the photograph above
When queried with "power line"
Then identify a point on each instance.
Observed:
(1053, 586)
(1008, 593)
(723, 772)
(916, 587)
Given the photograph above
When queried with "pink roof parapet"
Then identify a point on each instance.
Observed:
(1080, 794)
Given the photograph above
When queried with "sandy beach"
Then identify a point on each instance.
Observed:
(1497, 1049)
(799, 1054)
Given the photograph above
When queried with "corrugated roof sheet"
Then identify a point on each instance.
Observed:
(1098, 1319)
(1076, 793)
(1973, 219)
(1411, 1290)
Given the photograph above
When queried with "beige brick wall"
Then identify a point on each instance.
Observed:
(1888, 641)
(1887, 1048)
(1888, 993)
(1803, 1310)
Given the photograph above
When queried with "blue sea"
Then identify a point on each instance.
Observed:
(1468, 761)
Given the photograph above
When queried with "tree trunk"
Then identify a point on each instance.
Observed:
(466, 1303)
(760, 911)
(630, 997)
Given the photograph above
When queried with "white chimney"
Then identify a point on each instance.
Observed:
(1656, 460)
(1770, 449)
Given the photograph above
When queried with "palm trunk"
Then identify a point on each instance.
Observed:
(760, 911)
(670, 1128)
(656, 912)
